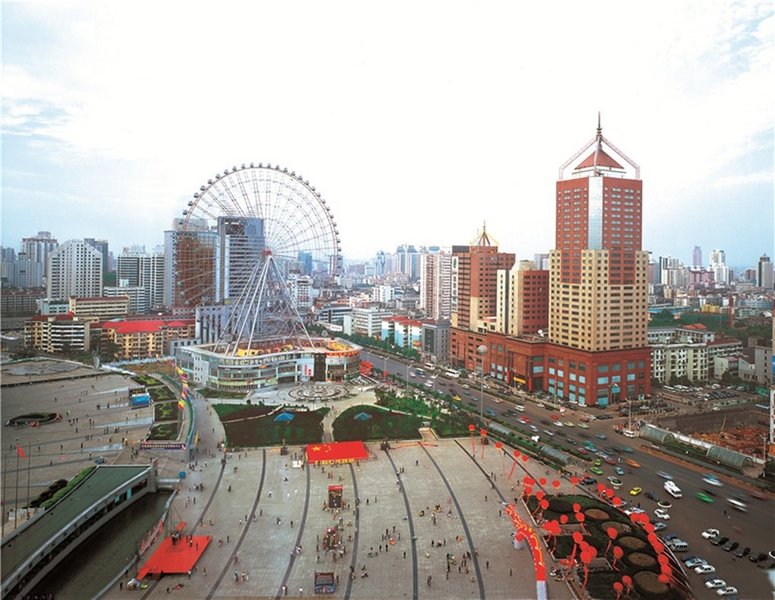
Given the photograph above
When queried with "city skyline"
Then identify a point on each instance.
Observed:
(113, 143)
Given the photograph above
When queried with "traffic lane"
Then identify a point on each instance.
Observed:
(690, 516)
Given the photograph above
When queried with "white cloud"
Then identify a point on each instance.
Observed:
(416, 121)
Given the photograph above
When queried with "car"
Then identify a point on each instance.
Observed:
(596, 470)
(545, 422)
(704, 569)
(662, 514)
(652, 496)
(610, 460)
(601, 436)
(633, 463)
(771, 554)
(659, 526)
(632, 510)
(597, 462)
(710, 533)
(715, 583)
(490, 412)
(726, 590)
(730, 546)
(588, 481)
(704, 497)
(549, 432)
(695, 561)
(534, 429)
(582, 451)
(635, 491)
(757, 494)
(627, 449)
(741, 552)
(711, 479)
(672, 536)
(583, 426)
(757, 556)
(100, 460)
(719, 541)
(569, 424)
(664, 475)
(737, 504)
(666, 504)
(618, 470)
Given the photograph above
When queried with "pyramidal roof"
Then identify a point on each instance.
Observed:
(483, 239)
(598, 158)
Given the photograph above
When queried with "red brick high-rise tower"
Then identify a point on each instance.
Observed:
(598, 310)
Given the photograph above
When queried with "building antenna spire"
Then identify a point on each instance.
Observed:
(599, 127)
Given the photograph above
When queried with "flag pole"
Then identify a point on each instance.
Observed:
(5, 488)
(16, 499)
(29, 466)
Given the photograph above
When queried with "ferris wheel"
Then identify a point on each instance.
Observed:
(241, 217)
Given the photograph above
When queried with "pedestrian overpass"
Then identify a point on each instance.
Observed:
(34, 549)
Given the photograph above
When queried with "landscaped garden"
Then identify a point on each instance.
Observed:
(368, 422)
(616, 552)
(166, 431)
(250, 426)
(165, 411)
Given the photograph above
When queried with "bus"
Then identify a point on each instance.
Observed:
(430, 366)
(452, 373)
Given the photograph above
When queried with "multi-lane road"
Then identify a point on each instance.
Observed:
(754, 528)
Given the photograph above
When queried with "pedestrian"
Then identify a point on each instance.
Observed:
(404, 553)
(510, 572)
(487, 564)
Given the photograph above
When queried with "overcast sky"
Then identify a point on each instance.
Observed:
(417, 121)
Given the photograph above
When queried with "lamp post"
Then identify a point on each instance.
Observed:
(481, 351)
(407, 378)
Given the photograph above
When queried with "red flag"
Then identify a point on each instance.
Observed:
(20, 452)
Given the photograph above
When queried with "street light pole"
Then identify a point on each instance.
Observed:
(481, 351)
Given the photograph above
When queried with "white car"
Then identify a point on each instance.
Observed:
(710, 533)
(662, 514)
(712, 480)
(727, 590)
(715, 583)
(664, 475)
(704, 569)
(695, 562)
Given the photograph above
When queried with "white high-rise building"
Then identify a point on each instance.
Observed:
(37, 249)
(300, 288)
(436, 285)
(143, 270)
(718, 266)
(75, 269)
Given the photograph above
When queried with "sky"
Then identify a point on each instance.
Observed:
(418, 122)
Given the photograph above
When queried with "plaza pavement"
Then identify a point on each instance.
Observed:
(394, 489)
(271, 493)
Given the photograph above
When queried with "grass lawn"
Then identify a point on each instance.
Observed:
(164, 431)
(250, 426)
(382, 424)
(165, 411)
